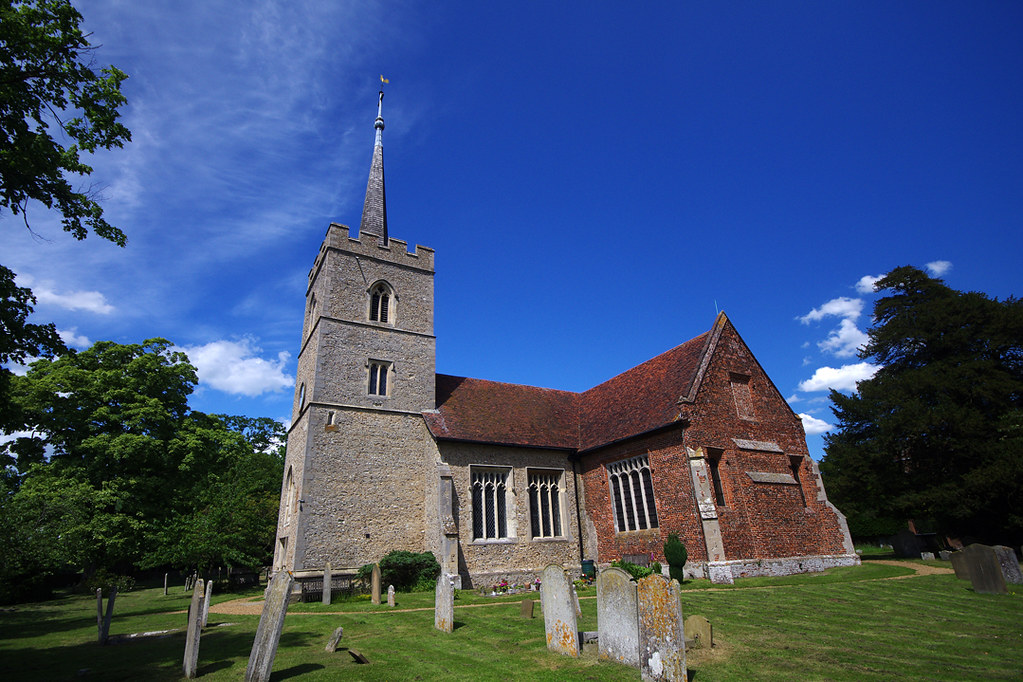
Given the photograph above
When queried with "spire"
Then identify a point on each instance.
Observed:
(374, 210)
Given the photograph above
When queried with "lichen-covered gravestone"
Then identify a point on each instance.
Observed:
(444, 603)
(1010, 564)
(191, 662)
(617, 617)
(559, 611)
(375, 584)
(662, 648)
(335, 639)
(268, 633)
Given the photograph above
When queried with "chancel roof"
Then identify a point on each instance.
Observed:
(636, 401)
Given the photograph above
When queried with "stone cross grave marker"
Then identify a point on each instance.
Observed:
(191, 662)
(617, 617)
(327, 593)
(984, 569)
(268, 633)
(699, 630)
(390, 596)
(335, 639)
(662, 648)
(375, 587)
(444, 603)
(1009, 563)
(558, 611)
(206, 602)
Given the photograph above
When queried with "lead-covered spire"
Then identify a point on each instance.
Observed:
(374, 210)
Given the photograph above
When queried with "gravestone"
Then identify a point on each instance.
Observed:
(698, 629)
(444, 603)
(1009, 563)
(960, 565)
(327, 589)
(194, 631)
(984, 569)
(165, 576)
(575, 602)
(375, 586)
(558, 611)
(927, 556)
(662, 649)
(390, 596)
(268, 633)
(99, 614)
(104, 620)
(526, 610)
(945, 555)
(617, 617)
(358, 656)
(335, 639)
(206, 601)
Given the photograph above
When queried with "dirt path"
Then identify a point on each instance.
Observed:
(253, 606)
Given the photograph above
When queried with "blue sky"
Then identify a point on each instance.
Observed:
(597, 179)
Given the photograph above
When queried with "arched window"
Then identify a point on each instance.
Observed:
(381, 303)
(632, 494)
(545, 504)
(290, 498)
(489, 511)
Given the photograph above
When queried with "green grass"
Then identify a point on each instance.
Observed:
(842, 625)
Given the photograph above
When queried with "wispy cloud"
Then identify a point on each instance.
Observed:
(46, 294)
(235, 367)
(842, 378)
(938, 268)
(848, 308)
(72, 338)
(814, 426)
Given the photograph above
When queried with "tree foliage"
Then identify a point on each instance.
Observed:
(53, 107)
(935, 435)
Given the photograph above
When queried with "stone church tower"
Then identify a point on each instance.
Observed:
(353, 486)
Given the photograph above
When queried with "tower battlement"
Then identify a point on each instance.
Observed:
(396, 251)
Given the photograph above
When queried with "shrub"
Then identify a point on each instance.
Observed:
(105, 580)
(408, 571)
(635, 570)
(675, 554)
(656, 567)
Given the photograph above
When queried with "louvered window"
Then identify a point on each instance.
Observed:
(489, 504)
(545, 504)
(378, 377)
(632, 494)
(380, 304)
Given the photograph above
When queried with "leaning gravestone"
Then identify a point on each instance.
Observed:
(390, 596)
(206, 602)
(558, 611)
(268, 633)
(194, 631)
(960, 565)
(335, 639)
(617, 617)
(327, 587)
(375, 587)
(984, 569)
(1009, 563)
(444, 603)
(662, 648)
(698, 629)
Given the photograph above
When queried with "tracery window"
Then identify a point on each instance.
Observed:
(545, 505)
(380, 303)
(489, 503)
(632, 494)
(378, 372)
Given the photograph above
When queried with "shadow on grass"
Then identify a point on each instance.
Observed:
(295, 671)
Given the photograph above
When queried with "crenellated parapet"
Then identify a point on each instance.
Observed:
(368, 245)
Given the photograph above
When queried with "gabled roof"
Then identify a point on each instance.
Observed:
(639, 400)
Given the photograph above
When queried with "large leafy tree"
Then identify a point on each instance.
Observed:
(935, 435)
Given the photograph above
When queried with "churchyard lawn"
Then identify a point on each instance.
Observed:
(862, 623)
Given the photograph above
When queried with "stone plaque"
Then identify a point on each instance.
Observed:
(662, 649)
(617, 617)
(558, 611)
(191, 662)
(444, 603)
(375, 586)
(698, 629)
(268, 633)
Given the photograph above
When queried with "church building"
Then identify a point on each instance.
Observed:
(499, 480)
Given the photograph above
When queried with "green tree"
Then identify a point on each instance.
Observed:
(934, 434)
(48, 87)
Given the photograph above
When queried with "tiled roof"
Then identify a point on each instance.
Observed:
(643, 398)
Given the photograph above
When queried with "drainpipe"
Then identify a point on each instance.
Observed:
(574, 458)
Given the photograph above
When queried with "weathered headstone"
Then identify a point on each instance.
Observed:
(984, 569)
(558, 611)
(960, 565)
(1009, 563)
(526, 610)
(375, 585)
(206, 601)
(327, 590)
(390, 596)
(662, 649)
(194, 631)
(335, 639)
(99, 614)
(945, 555)
(617, 617)
(699, 630)
(104, 629)
(575, 602)
(358, 656)
(268, 633)
(444, 603)
(165, 576)
(927, 556)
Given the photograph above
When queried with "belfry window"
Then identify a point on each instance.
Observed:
(545, 504)
(378, 372)
(381, 307)
(489, 504)
(632, 494)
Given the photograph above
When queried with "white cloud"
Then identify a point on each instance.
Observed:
(843, 378)
(866, 284)
(814, 426)
(235, 367)
(72, 338)
(793, 399)
(844, 341)
(938, 268)
(848, 308)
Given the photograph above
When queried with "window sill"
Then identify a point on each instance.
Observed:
(560, 538)
(648, 532)
(495, 541)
